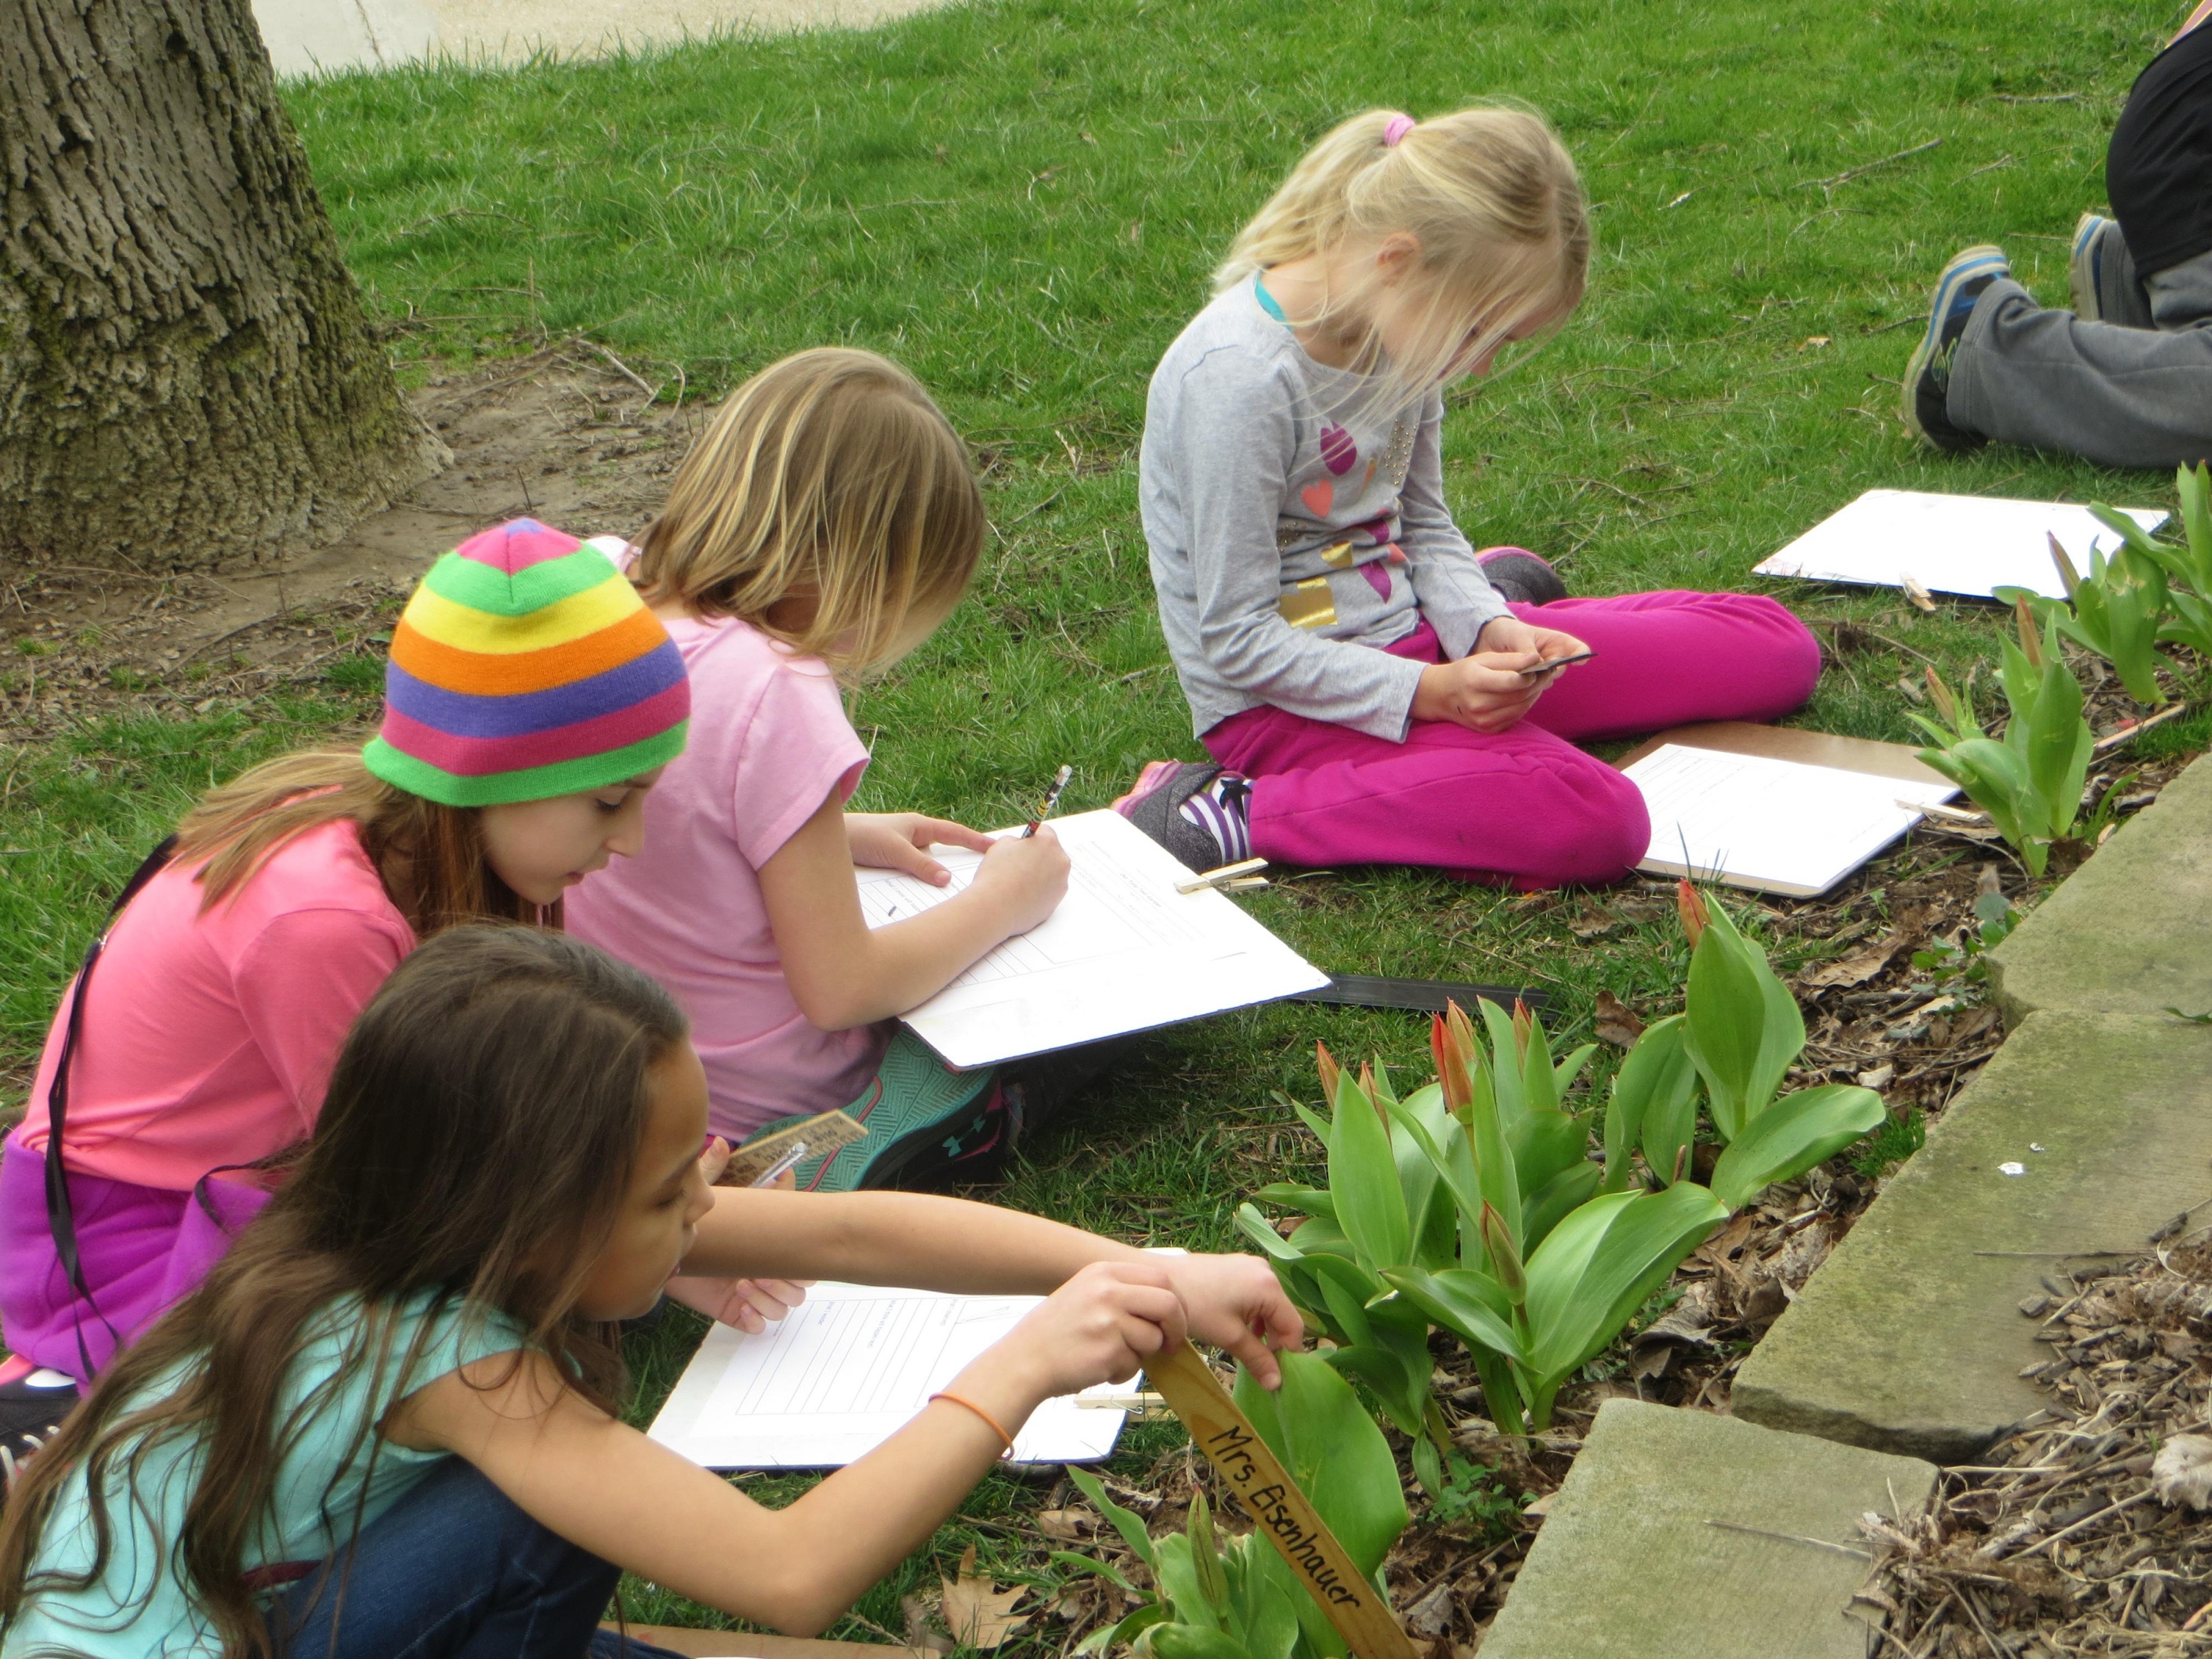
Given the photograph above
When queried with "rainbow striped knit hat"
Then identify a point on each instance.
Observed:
(526, 666)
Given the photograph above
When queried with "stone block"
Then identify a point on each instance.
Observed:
(2130, 932)
(1630, 1565)
(1909, 1337)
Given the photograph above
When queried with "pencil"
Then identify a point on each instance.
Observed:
(1051, 800)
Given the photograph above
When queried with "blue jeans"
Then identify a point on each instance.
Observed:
(453, 1570)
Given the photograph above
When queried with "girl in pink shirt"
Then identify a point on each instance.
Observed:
(823, 528)
(531, 701)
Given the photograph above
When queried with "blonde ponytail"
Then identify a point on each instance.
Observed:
(1489, 192)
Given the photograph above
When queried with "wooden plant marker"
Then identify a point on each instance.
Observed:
(1272, 1499)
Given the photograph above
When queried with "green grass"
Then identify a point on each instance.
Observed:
(1021, 201)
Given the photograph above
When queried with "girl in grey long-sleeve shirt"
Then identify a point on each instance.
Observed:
(1351, 662)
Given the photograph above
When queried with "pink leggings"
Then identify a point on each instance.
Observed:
(1523, 807)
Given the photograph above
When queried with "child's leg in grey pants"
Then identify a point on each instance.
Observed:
(2118, 396)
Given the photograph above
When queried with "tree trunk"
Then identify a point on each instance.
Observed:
(186, 376)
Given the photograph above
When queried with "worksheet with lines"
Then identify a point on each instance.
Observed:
(1778, 825)
(1125, 951)
(847, 1370)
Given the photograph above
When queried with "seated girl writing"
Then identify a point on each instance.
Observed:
(386, 1422)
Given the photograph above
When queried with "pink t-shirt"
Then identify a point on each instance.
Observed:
(207, 1039)
(770, 743)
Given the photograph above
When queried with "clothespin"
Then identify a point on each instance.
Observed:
(1947, 814)
(1140, 1405)
(1239, 878)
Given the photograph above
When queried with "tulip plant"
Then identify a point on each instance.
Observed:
(2117, 611)
(2187, 568)
(1473, 1204)
(2030, 782)
(1741, 1030)
(1218, 1597)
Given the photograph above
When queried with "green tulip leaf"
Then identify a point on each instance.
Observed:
(1363, 1179)
(1600, 1263)
(1471, 1306)
(1791, 1136)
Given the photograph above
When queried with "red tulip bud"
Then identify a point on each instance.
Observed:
(2030, 639)
(1691, 905)
(1326, 1063)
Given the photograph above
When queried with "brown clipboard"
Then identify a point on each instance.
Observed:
(1787, 743)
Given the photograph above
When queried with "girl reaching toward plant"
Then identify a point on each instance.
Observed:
(386, 1421)
(1373, 689)
(825, 527)
(531, 702)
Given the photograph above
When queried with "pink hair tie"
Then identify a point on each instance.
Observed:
(1396, 128)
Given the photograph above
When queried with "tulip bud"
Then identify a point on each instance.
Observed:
(1939, 695)
(1524, 1022)
(1691, 903)
(2031, 642)
(2068, 577)
(1504, 1253)
(1451, 1042)
(1326, 1064)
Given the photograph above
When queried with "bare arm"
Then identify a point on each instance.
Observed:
(607, 1488)
(843, 973)
(950, 1244)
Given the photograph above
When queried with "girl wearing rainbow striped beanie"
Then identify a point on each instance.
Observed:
(531, 700)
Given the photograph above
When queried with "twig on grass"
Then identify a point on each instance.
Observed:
(1849, 174)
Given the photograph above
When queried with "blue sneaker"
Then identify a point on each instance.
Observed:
(2084, 266)
(1928, 376)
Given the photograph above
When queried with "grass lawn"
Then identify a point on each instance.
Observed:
(1021, 201)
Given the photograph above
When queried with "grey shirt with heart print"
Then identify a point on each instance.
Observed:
(1294, 532)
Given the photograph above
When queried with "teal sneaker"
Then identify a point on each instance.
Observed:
(1928, 376)
(2081, 266)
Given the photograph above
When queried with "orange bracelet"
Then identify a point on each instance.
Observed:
(990, 1420)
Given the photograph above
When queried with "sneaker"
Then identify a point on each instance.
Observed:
(33, 1402)
(1520, 576)
(1155, 806)
(1928, 376)
(2084, 266)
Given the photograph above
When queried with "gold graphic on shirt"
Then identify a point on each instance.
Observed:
(1399, 456)
(1338, 557)
(1309, 604)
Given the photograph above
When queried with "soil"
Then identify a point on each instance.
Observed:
(2084, 1532)
(567, 435)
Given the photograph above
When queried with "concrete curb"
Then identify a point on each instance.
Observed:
(1910, 1338)
(1679, 1535)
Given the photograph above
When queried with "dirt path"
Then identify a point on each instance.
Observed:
(564, 434)
(306, 36)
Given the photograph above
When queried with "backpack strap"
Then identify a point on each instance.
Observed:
(61, 1218)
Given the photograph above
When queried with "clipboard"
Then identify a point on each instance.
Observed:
(1774, 809)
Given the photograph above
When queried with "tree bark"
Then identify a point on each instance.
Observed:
(186, 375)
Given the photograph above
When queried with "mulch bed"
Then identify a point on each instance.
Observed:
(2087, 1532)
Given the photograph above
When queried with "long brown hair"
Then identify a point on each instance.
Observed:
(236, 826)
(833, 474)
(481, 1130)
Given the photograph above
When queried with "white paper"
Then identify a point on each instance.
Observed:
(1967, 545)
(1754, 820)
(1125, 951)
(847, 1369)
